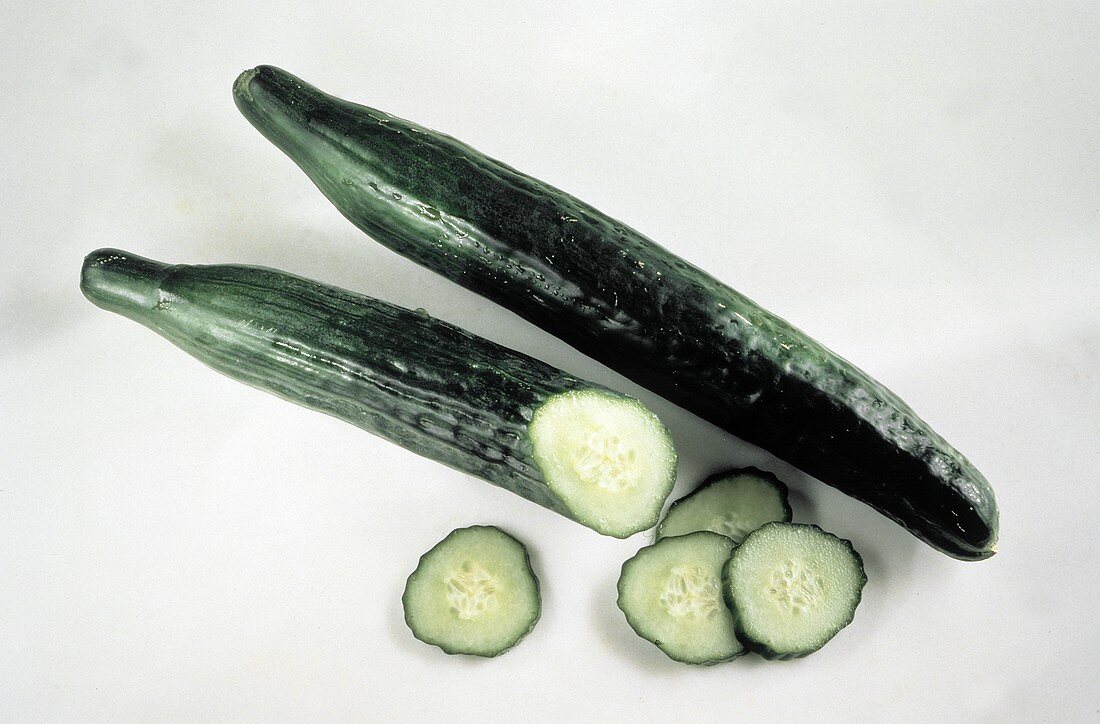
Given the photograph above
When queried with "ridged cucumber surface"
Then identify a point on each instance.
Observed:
(582, 450)
(614, 294)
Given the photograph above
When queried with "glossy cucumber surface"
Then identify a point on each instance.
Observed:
(626, 301)
(426, 385)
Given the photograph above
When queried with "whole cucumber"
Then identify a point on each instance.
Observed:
(619, 297)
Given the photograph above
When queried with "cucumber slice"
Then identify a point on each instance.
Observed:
(733, 503)
(606, 456)
(473, 593)
(792, 588)
(671, 595)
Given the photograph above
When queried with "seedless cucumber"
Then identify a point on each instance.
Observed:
(473, 593)
(582, 450)
(617, 296)
(733, 503)
(792, 588)
(671, 595)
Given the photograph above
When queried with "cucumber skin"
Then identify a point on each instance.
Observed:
(622, 299)
(762, 649)
(718, 477)
(426, 385)
(530, 569)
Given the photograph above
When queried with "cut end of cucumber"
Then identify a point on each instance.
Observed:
(792, 588)
(473, 593)
(607, 457)
(732, 504)
(671, 595)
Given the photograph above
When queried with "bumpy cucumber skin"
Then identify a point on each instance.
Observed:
(718, 477)
(426, 385)
(622, 299)
(635, 626)
(761, 648)
(442, 646)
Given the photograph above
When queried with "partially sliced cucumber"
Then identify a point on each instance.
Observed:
(733, 503)
(473, 593)
(671, 595)
(792, 588)
(607, 457)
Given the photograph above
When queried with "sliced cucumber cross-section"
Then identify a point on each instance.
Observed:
(733, 503)
(671, 595)
(473, 593)
(607, 457)
(792, 588)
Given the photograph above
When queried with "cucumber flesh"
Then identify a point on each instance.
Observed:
(607, 457)
(733, 504)
(473, 593)
(792, 588)
(671, 595)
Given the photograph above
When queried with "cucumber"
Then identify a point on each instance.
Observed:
(733, 503)
(671, 595)
(473, 593)
(617, 296)
(791, 588)
(582, 450)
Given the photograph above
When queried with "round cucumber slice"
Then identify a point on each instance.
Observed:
(671, 595)
(606, 456)
(733, 503)
(473, 593)
(791, 588)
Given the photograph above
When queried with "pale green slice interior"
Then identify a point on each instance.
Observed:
(793, 587)
(671, 594)
(607, 457)
(733, 506)
(473, 593)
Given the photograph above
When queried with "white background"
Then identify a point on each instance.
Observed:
(915, 184)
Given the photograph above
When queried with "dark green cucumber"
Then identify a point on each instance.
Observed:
(619, 297)
(473, 593)
(582, 450)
